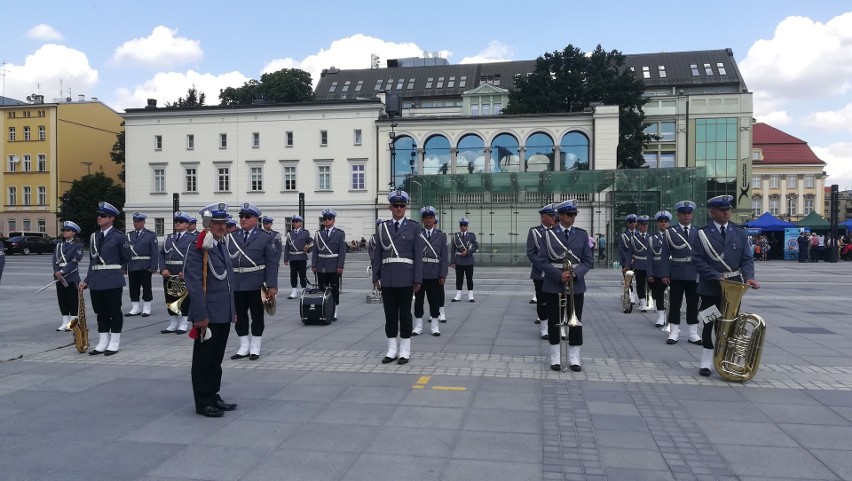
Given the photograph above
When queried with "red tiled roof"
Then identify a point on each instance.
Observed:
(781, 148)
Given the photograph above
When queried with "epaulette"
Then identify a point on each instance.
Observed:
(580, 229)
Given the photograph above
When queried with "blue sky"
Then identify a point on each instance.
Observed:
(795, 56)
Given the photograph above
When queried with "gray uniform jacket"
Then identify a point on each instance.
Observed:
(172, 253)
(143, 251)
(625, 251)
(371, 248)
(108, 260)
(436, 259)
(468, 240)
(734, 251)
(554, 247)
(277, 242)
(639, 252)
(217, 304)
(294, 245)
(534, 238)
(659, 264)
(255, 260)
(329, 253)
(681, 249)
(401, 263)
(66, 258)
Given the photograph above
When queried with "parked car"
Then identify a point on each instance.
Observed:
(28, 245)
(27, 234)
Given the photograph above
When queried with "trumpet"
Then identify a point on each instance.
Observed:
(176, 287)
(567, 315)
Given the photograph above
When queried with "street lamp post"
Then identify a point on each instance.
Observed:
(88, 167)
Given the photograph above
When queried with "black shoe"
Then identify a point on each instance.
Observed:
(223, 406)
(659, 325)
(110, 353)
(471, 300)
(166, 331)
(238, 356)
(443, 321)
(95, 353)
(537, 321)
(545, 336)
(180, 331)
(254, 357)
(576, 367)
(455, 300)
(555, 367)
(388, 360)
(402, 360)
(210, 412)
(704, 372)
(131, 315)
(533, 301)
(671, 341)
(698, 342)
(416, 333)
(145, 315)
(436, 334)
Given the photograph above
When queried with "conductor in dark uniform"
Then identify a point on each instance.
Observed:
(67, 255)
(548, 220)
(722, 252)
(560, 243)
(435, 266)
(212, 310)
(398, 270)
(255, 262)
(297, 244)
(105, 279)
(464, 246)
(144, 260)
(329, 256)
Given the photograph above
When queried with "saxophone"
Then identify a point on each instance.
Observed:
(739, 336)
(78, 324)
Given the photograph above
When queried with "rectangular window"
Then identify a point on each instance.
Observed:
(158, 142)
(13, 198)
(42, 163)
(721, 67)
(497, 108)
(486, 109)
(661, 70)
(190, 141)
(255, 140)
(28, 195)
(429, 82)
(667, 131)
(333, 87)
(474, 110)
(159, 180)
(324, 177)
(289, 139)
(358, 177)
(410, 85)
(440, 83)
(289, 178)
(773, 206)
(42, 226)
(359, 85)
(646, 72)
(323, 138)
(792, 204)
(223, 141)
(27, 225)
(256, 179)
(346, 86)
(378, 86)
(13, 225)
(12, 134)
(463, 81)
(41, 132)
(809, 206)
(28, 162)
(223, 179)
(756, 182)
(667, 159)
(791, 181)
(651, 159)
(357, 136)
(389, 85)
(708, 70)
(13, 163)
(451, 82)
(756, 206)
(809, 182)
(160, 226)
(400, 83)
(41, 192)
(774, 182)
(191, 177)
(694, 69)
(26, 133)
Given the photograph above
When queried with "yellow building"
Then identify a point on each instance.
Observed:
(45, 147)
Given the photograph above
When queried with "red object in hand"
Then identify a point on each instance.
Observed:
(193, 333)
(200, 241)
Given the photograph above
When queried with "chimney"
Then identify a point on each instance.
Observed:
(152, 104)
(81, 98)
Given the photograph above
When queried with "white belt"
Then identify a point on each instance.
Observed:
(140, 258)
(728, 275)
(558, 265)
(431, 260)
(682, 259)
(174, 263)
(327, 256)
(641, 258)
(658, 258)
(397, 260)
(297, 253)
(244, 270)
(106, 267)
(62, 264)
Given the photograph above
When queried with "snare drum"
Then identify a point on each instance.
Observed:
(316, 306)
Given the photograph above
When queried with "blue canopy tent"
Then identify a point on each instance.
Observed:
(847, 224)
(769, 223)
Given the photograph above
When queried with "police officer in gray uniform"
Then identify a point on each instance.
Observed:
(144, 260)
(171, 259)
(640, 257)
(212, 311)
(683, 276)
(659, 265)
(435, 266)
(548, 220)
(297, 244)
(398, 270)
(721, 252)
(267, 221)
(464, 245)
(329, 256)
(67, 255)
(564, 242)
(255, 262)
(625, 250)
(108, 261)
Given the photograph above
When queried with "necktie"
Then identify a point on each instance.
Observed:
(686, 232)
(396, 226)
(245, 237)
(722, 230)
(221, 252)
(428, 234)
(567, 232)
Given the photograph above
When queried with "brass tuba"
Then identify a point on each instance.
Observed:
(567, 315)
(739, 336)
(626, 302)
(78, 324)
(667, 295)
(176, 287)
(650, 305)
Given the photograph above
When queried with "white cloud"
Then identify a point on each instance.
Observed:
(838, 157)
(160, 49)
(831, 120)
(494, 52)
(776, 118)
(45, 68)
(43, 31)
(169, 86)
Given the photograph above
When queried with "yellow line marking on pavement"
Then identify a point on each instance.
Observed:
(422, 382)
(449, 388)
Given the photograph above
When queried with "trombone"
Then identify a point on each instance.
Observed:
(567, 315)
(61, 279)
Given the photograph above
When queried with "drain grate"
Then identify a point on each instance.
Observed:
(808, 330)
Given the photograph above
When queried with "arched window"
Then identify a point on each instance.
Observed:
(575, 151)
(436, 155)
(471, 155)
(504, 154)
(539, 152)
(405, 151)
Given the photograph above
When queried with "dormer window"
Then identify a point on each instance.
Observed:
(708, 70)
(333, 87)
(662, 71)
(721, 68)
(694, 69)
(646, 72)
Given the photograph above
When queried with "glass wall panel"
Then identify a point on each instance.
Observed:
(504, 154)
(436, 155)
(575, 151)
(471, 155)
(539, 152)
(404, 148)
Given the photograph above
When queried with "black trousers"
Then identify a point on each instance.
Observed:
(575, 334)
(137, 279)
(461, 272)
(706, 334)
(298, 271)
(540, 304)
(679, 290)
(107, 305)
(184, 306)
(246, 302)
(428, 290)
(207, 365)
(68, 297)
(397, 304)
(331, 279)
(640, 277)
(658, 291)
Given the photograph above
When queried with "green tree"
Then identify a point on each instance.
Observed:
(80, 202)
(117, 152)
(283, 86)
(570, 80)
(193, 99)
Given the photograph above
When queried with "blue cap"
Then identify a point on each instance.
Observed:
(427, 211)
(569, 205)
(464, 221)
(267, 220)
(329, 213)
(721, 202)
(231, 222)
(685, 206)
(139, 216)
(217, 211)
(663, 215)
(437, 218)
(631, 218)
(107, 208)
(398, 197)
(251, 209)
(296, 218)
(379, 221)
(642, 219)
(181, 216)
(68, 225)
(192, 220)
(549, 209)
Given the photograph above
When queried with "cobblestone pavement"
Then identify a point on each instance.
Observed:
(477, 403)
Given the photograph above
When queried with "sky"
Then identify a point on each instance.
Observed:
(796, 57)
